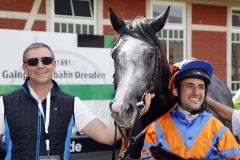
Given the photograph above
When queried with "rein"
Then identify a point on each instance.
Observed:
(115, 139)
(129, 141)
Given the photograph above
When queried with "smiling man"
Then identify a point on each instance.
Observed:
(38, 117)
(188, 130)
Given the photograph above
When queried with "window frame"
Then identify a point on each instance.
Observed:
(232, 17)
(234, 84)
(88, 24)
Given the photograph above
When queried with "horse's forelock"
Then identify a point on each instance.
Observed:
(139, 28)
(143, 29)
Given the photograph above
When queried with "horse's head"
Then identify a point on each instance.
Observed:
(138, 63)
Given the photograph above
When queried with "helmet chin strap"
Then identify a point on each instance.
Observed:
(201, 109)
(193, 112)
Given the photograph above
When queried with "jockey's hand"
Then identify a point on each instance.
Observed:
(147, 99)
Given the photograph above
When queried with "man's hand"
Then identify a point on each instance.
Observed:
(147, 98)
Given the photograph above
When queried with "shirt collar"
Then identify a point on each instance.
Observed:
(187, 114)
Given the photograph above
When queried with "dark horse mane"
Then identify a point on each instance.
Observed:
(163, 100)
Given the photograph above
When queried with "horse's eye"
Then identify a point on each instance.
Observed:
(150, 55)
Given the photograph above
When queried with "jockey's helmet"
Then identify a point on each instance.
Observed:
(190, 68)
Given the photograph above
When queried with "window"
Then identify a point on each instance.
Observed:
(236, 18)
(235, 50)
(175, 16)
(75, 16)
(172, 37)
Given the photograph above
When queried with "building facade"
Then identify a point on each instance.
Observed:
(208, 30)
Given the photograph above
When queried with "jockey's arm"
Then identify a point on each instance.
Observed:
(221, 109)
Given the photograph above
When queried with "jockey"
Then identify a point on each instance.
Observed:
(190, 68)
(188, 130)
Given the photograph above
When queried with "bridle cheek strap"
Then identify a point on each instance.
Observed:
(141, 105)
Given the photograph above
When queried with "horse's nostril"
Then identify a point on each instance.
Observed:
(129, 108)
(110, 106)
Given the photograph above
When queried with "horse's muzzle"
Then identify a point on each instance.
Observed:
(126, 116)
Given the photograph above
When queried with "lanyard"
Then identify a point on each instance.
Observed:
(46, 120)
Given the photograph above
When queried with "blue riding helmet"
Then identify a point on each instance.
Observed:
(192, 64)
(190, 68)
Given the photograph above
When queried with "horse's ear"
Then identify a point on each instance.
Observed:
(117, 22)
(158, 23)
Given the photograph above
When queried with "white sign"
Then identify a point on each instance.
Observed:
(75, 65)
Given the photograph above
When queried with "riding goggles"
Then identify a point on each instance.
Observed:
(34, 61)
